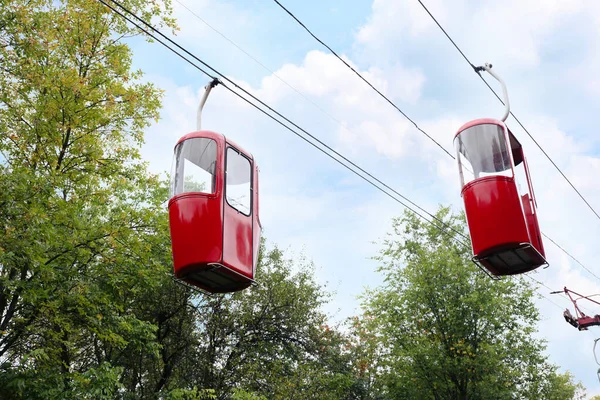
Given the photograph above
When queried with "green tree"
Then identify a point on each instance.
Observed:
(78, 211)
(562, 387)
(444, 330)
(270, 340)
(364, 349)
(87, 305)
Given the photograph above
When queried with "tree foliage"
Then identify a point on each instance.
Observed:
(271, 340)
(79, 213)
(444, 329)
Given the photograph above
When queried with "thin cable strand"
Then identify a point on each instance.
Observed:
(292, 130)
(329, 148)
(480, 76)
(511, 113)
(363, 78)
(547, 287)
(568, 254)
(267, 68)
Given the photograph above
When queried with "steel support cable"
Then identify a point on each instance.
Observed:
(286, 126)
(476, 69)
(364, 177)
(296, 133)
(329, 148)
(513, 115)
(552, 301)
(572, 257)
(547, 287)
(362, 78)
(333, 118)
(325, 112)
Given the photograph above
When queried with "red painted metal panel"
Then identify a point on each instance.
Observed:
(494, 214)
(196, 231)
(237, 241)
(586, 322)
(535, 233)
(219, 138)
(532, 224)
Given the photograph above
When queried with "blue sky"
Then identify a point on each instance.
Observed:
(547, 52)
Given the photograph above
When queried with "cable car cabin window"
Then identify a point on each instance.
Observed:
(521, 178)
(522, 182)
(238, 189)
(194, 166)
(482, 151)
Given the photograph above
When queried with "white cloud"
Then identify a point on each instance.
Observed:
(509, 33)
(513, 32)
(388, 138)
(322, 74)
(393, 20)
(404, 84)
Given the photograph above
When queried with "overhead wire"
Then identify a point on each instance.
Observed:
(295, 132)
(562, 295)
(364, 79)
(289, 128)
(572, 257)
(476, 70)
(511, 113)
(552, 301)
(364, 175)
(269, 70)
(547, 287)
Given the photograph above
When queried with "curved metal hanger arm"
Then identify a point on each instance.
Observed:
(207, 90)
(488, 67)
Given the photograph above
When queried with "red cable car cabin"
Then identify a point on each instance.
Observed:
(213, 213)
(498, 197)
